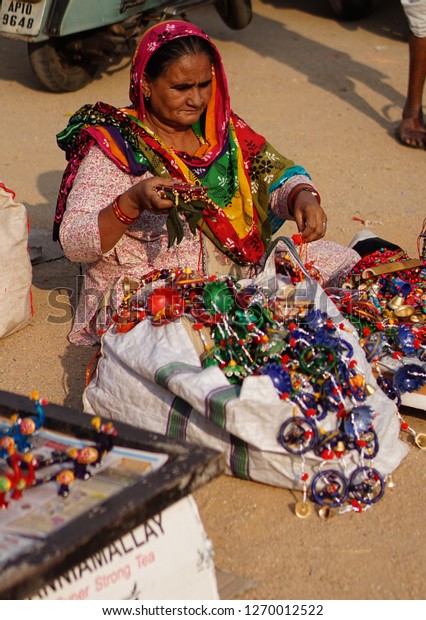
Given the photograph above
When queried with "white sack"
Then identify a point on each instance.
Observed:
(15, 265)
(151, 377)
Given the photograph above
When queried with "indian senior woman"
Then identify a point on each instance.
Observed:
(180, 128)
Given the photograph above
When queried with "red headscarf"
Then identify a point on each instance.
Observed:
(156, 36)
(240, 227)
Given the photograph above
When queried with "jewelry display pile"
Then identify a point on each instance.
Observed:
(248, 330)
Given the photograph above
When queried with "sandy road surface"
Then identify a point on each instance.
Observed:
(329, 95)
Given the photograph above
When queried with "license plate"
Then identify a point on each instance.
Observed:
(22, 18)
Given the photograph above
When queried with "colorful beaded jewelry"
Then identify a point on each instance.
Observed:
(310, 362)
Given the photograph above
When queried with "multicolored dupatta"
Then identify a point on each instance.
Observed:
(237, 165)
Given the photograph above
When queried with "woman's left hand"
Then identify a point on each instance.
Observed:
(310, 217)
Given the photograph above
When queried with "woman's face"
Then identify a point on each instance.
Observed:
(178, 97)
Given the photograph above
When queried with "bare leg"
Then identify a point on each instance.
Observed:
(412, 129)
(416, 77)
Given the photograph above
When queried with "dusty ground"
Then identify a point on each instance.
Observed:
(329, 95)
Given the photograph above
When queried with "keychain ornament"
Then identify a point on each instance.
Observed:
(22, 468)
(190, 202)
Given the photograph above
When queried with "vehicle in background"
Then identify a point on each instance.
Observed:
(69, 41)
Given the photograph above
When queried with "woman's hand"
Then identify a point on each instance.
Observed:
(144, 197)
(310, 217)
(126, 209)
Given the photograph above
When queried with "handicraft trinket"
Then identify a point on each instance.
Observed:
(385, 297)
(190, 202)
(23, 467)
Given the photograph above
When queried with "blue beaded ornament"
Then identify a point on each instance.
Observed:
(329, 488)
(315, 319)
(409, 378)
(280, 377)
(389, 389)
(358, 420)
(405, 340)
(366, 485)
(373, 345)
(298, 435)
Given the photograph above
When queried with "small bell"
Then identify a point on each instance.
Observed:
(126, 286)
(420, 441)
(369, 389)
(302, 510)
(390, 483)
(340, 448)
(404, 311)
(418, 318)
(325, 513)
(396, 302)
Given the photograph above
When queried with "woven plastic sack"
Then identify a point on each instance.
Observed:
(15, 265)
(151, 377)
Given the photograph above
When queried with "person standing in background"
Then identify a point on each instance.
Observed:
(412, 130)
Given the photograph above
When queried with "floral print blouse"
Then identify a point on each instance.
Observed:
(143, 247)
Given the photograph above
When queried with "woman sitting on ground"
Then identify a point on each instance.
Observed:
(111, 215)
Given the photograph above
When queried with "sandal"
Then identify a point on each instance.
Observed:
(411, 132)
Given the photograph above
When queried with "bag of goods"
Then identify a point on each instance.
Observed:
(16, 271)
(264, 370)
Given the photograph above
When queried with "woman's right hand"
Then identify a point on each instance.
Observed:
(118, 216)
(143, 196)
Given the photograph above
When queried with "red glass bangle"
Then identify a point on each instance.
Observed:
(302, 188)
(125, 219)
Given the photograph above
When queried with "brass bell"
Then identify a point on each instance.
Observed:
(420, 440)
(340, 447)
(418, 318)
(396, 302)
(126, 286)
(390, 482)
(404, 311)
(303, 510)
(325, 513)
(369, 389)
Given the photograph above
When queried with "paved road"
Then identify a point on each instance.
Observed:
(328, 95)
